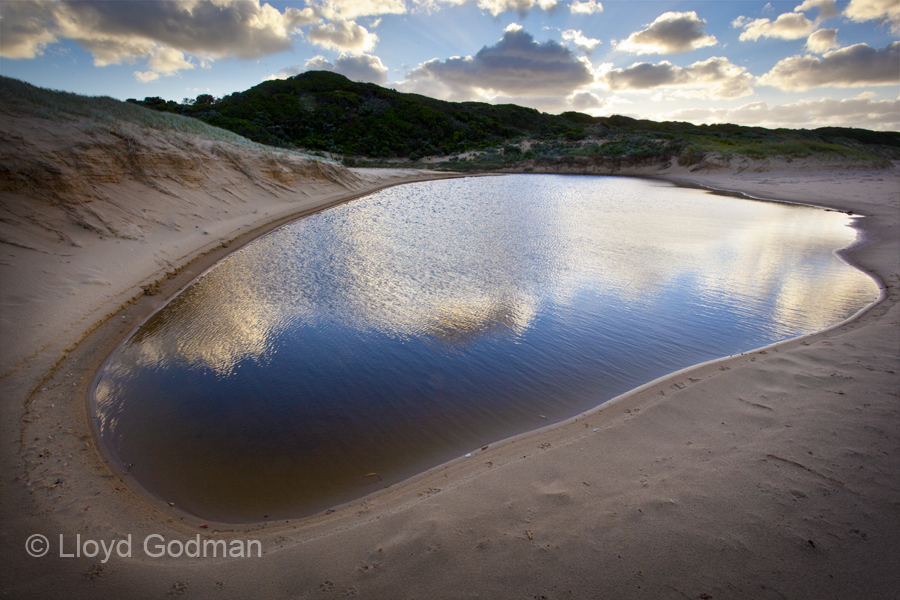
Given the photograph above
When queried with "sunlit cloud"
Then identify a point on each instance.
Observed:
(822, 40)
(861, 111)
(583, 43)
(715, 77)
(670, 33)
(146, 76)
(168, 60)
(347, 10)
(788, 26)
(344, 36)
(585, 8)
(855, 66)
(886, 11)
(497, 7)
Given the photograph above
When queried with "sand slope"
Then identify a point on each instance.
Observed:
(768, 475)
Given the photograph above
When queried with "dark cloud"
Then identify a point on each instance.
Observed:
(670, 33)
(827, 9)
(853, 66)
(25, 28)
(123, 31)
(517, 65)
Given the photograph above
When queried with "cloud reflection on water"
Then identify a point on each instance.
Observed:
(454, 269)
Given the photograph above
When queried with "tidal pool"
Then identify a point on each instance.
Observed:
(407, 328)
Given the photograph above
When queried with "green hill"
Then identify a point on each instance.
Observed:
(324, 111)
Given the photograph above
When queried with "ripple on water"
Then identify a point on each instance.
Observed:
(406, 328)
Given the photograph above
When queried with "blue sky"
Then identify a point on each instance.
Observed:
(792, 64)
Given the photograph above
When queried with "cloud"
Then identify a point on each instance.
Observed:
(344, 36)
(827, 9)
(517, 65)
(116, 32)
(146, 77)
(168, 60)
(316, 63)
(715, 77)
(853, 66)
(497, 7)
(861, 111)
(670, 33)
(358, 67)
(582, 101)
(585, 44)
(822, 40)
(585, 8)
(874, 10)
(346, 10)
(25, 28)
(363, 67)
(788, 26)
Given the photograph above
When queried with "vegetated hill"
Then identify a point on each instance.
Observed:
(321, 110)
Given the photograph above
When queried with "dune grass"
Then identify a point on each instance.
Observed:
(19, 97)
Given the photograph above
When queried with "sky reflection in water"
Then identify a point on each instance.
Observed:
(404, 329)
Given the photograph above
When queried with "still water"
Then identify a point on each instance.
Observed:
(396, 332)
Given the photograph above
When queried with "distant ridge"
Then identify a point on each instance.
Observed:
(325, 111)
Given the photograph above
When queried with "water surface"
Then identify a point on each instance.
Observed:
(409, 327)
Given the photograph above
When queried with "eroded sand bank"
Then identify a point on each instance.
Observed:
(772, 474)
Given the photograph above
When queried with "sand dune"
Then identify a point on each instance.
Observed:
(767, 475)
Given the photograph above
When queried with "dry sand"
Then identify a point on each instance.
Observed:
(767, 475)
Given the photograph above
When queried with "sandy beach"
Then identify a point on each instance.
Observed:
(767, 475)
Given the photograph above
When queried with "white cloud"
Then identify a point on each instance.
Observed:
(827, 9)
(516, 66)
(715, 77)
(358, 67)
(362, 67)
(583, 43)
(146, 77)
(670, 33)
(344, 36)
(822, 40)
(875, 10)
(788, 26)
(861, 111)
(346, 10)
(497, 7)
(168, 60)
(585, 8)
(853, 66)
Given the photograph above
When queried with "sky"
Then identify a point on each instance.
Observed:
(796, 64)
